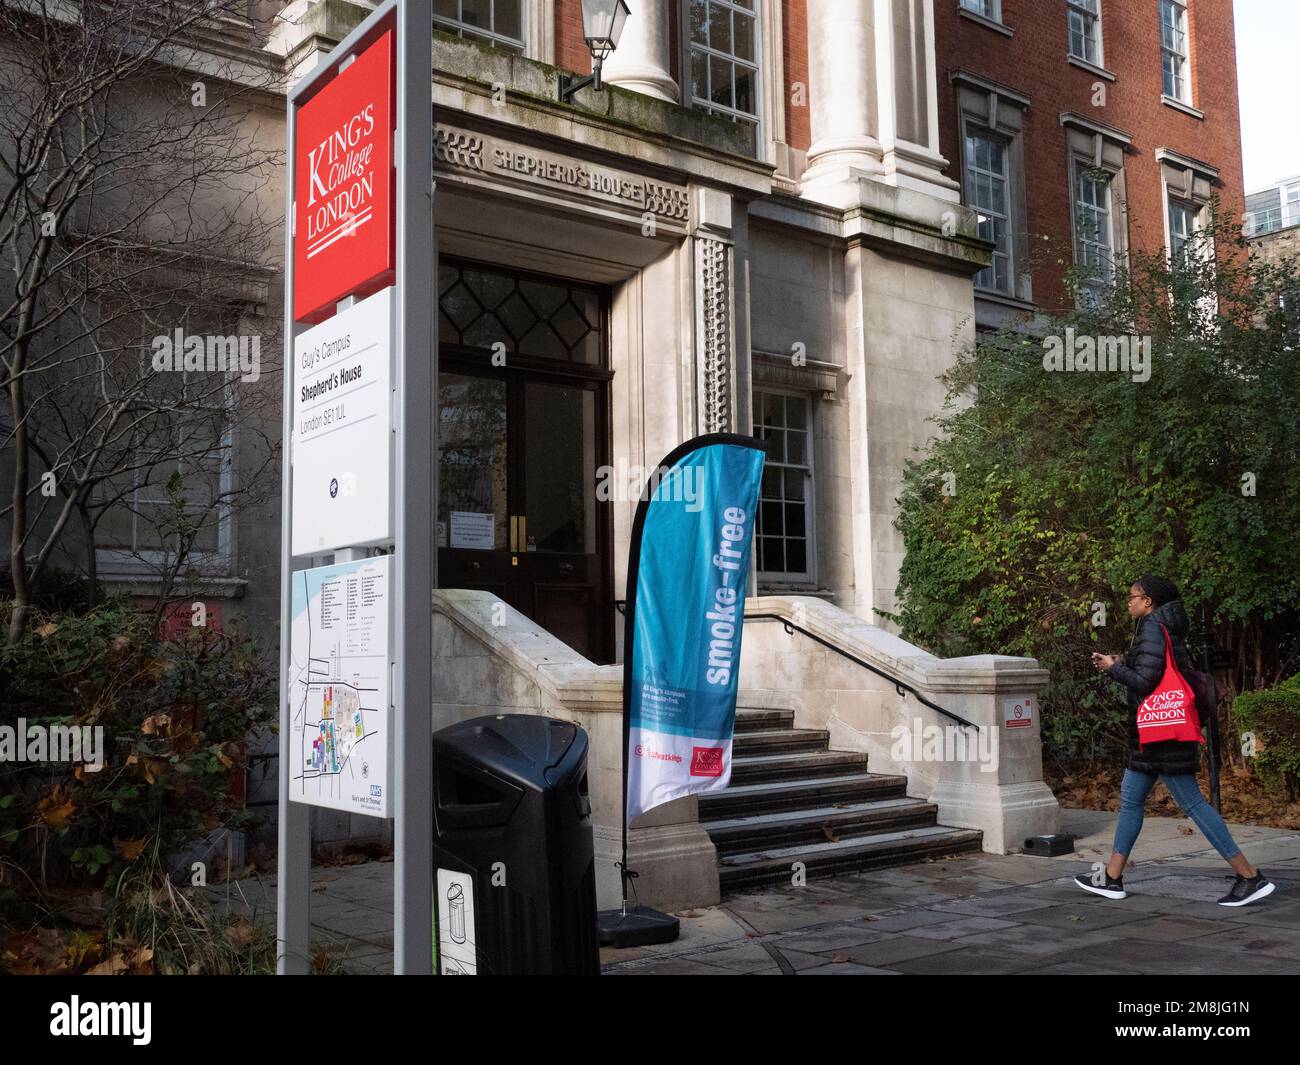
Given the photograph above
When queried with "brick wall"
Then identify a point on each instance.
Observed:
(570, 49)
(794, 26)
(1033, 61)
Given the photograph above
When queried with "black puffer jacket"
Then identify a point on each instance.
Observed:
(1139, 671)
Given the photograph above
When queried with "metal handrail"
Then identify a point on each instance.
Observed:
(900, 686)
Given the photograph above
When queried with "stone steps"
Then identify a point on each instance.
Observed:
(820, 824)
(800, 765)
(778, 741)
(851, 855)
(752, 719)
(740, 800)
(793, 800)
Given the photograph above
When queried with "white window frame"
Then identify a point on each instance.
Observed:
(458, 26)
(136, 561)
(1176, 52)
(989, 9)
(758, 14)
(1289, 196)
(970, 171)
(1187, 210)
(1094, 223)
(1088, 14)
(809, 500)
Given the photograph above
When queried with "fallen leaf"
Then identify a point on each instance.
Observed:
(56, 809)
(85, 908)
(240, 932)
(130, 849)
(48, 629)
(114, 966)
(155, 724)
(84, 947)
(40, 953)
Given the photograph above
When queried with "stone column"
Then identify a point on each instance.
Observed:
(842, 88)
(908, 125)
(871, 73)
(641, 62)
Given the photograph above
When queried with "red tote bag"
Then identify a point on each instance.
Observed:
(1169, 712)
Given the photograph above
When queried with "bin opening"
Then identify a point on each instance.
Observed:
(460, 789)
(468, 798)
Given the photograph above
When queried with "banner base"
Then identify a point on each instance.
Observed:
(638, 927)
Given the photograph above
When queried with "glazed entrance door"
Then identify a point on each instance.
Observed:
(521, 444)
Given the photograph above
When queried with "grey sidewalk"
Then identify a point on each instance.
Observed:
(970, 914)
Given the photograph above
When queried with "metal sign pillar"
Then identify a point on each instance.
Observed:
(414, 485)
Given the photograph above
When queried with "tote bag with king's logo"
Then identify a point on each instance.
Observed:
(1169, 712)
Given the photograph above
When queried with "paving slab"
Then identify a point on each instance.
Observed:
(964, 961)
(1170, 928)
(1180, 959)
(1256, 939)
(894, 947)
(1075, 916)
(968, 914)
(831, 937)
(747, 957)
(994, 905)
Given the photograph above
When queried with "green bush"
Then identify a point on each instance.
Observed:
(175, 714)
(1273, 715)
(1048, 492)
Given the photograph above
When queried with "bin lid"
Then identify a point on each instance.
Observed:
(519, 747)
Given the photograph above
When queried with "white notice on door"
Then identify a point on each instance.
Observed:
(473, 531)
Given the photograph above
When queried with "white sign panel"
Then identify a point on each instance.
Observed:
(339, 657)
(456, 952)
(342, 429)
(1018, 713)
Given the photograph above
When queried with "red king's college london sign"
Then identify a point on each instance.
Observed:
(344, 233)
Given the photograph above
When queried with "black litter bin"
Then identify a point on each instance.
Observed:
(512, 814)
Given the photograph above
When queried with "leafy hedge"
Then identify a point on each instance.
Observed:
(175, 715)
(1050, 492)
(1273, 716)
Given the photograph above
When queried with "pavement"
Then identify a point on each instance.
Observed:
(967, 914)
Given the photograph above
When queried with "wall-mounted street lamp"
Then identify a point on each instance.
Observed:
(602, 22)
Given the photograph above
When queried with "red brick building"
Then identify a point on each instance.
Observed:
(1098, 125)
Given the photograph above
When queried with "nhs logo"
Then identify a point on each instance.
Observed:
(376, 791)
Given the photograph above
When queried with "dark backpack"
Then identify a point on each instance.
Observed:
(1206, 689)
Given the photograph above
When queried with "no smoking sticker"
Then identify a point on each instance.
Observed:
(1018, 713)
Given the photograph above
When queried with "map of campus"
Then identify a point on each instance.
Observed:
(338, 691)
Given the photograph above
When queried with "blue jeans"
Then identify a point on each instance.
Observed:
(1187, 793)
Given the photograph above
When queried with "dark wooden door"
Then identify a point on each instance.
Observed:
(518, 511)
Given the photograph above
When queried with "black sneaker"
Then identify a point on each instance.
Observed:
(1112, 889)
(1248, 889)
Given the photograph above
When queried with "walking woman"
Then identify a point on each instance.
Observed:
(1153, 602)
